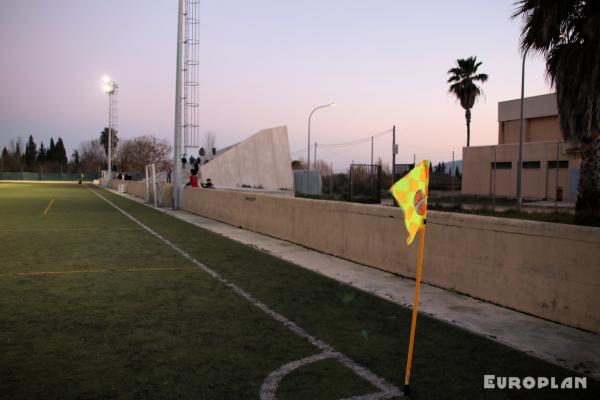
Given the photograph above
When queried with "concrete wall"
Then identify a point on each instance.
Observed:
(138, 189)
(548, 270)
(543, 105)
(535, 130)
(538, 183)
(262, 160)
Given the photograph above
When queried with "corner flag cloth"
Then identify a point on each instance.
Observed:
(411, 194)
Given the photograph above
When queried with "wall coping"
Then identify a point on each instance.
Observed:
(470, 221)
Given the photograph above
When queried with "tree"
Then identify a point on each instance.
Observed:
(299, 164)
(51, 153)
(567, 34)
(30, 152)
(5, 158)
(75, 164)
(41, 153)
(463, 78)
(92, 156)
(60, 155)
(114, 140)
(134, 154)
(323, 167)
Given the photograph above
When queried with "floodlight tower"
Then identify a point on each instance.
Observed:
(111, 89)
(186, 89)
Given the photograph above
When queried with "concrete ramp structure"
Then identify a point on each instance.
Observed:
(261, 162)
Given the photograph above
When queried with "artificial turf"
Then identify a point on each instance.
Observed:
(132, 318)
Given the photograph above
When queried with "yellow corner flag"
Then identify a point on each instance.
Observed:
(411, 194)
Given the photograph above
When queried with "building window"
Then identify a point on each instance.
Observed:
(502, 165)
(561, 164)
(531, 164)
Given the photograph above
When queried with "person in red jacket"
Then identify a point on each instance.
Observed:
(193, 179)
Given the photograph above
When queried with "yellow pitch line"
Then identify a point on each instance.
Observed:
(48, 207)
(90, 271)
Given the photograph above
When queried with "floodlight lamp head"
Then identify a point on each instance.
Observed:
(105, 79)
(332, 104)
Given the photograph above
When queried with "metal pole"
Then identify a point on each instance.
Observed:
(414, 160)
(371, 150)
(177, 172)
(452, 172)
(521, 135)
(394, 154)
(331, 180)
(154, 185)
(315, 161)
(351, 179)
(109, 138)
(308, 146)
(494, 178)
(556, 186)
(147, 185)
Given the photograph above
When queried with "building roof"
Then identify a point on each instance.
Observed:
(535, 106)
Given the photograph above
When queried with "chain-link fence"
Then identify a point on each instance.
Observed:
(46, 176)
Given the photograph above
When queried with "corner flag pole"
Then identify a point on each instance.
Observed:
(415, 310)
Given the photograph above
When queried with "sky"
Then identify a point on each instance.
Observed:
(264, 63)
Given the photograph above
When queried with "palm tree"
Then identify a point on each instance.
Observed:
(567, 34)
(463, 80)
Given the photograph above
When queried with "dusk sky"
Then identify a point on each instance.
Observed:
(263, 63)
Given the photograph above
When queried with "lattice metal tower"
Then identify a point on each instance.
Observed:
(111, 89)
(190, 75)
(186, 89)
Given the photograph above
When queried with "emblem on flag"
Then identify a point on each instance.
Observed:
(411, 194)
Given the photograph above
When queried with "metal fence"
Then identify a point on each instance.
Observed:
(365, 182)
(43, 176)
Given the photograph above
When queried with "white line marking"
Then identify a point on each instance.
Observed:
(387, 389)
(268, 389)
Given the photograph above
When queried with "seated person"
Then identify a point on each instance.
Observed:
(208, 184)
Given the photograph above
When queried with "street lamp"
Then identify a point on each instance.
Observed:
(110, 88)
(521, 134)
(309, 117)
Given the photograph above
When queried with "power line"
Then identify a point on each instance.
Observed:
(345, 144)
(358, 141)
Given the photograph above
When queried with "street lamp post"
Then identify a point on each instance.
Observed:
(110, 88)
(308, 149)
(521, 135)
(309, 117)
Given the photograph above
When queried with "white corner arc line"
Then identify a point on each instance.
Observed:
(268, 390)
(388, 390)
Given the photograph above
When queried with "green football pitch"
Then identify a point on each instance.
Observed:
(104, 298)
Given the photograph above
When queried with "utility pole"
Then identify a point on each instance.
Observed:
(371, 150)
(109, 129)
(394, 152)
(556, 185)
(315, 161)
(452, 172)
(494, 176)
(521, 135)
(331, 179)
